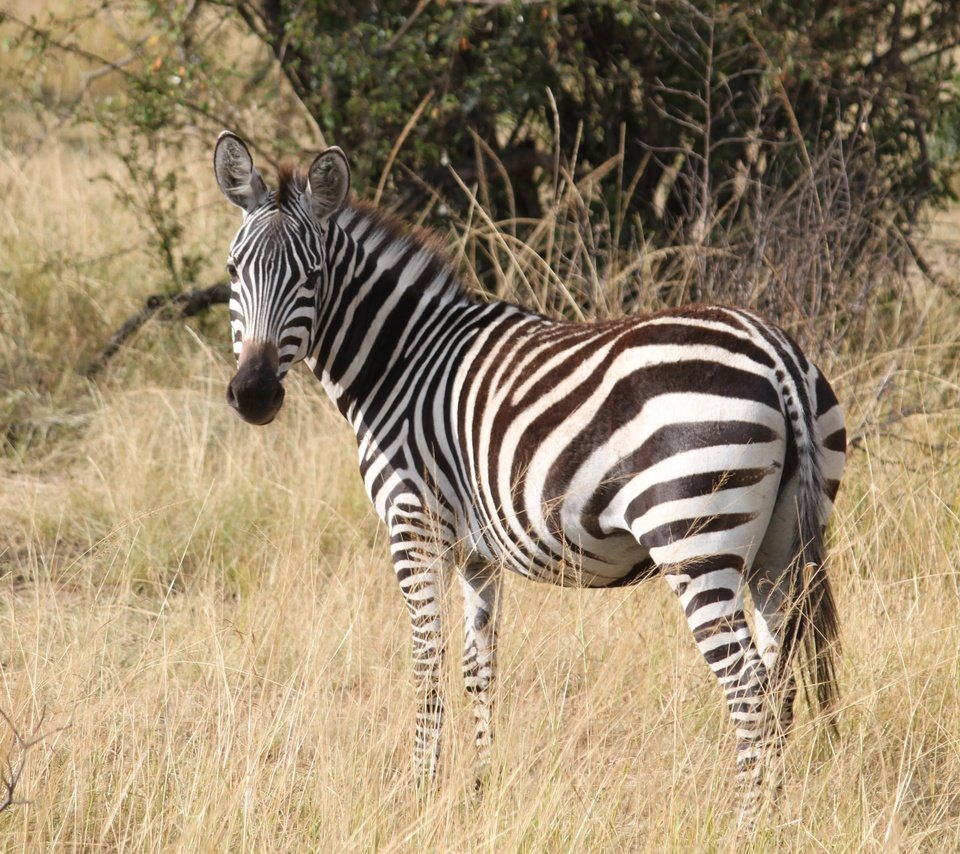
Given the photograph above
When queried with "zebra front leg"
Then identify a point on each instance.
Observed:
(481, 587)
(710, 591)
(419, 577)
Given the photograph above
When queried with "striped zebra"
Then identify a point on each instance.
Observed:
(698, 444)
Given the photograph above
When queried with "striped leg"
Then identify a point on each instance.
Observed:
(772, 586)
(481, 583)
(710, 591)
(418, 572)
(771, 602)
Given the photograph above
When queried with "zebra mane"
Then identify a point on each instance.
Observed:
(359, 216)
(291, 181)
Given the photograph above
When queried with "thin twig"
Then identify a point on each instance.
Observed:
(858, 440)
(10, 775)
(416, 13)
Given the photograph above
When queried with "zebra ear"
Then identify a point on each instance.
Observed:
(328, 182)
(236, 174)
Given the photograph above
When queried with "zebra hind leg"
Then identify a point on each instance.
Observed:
(773, 582)
(711, 593)
(772, 622)
(480, 583)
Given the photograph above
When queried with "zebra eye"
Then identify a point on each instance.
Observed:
(232, 271)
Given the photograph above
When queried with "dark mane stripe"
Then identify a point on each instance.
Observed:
(290, 182)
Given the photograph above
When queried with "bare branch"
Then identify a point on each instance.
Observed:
(881, 427)
(186, 303)
(16, 759)
(416, 13)
(118, 66)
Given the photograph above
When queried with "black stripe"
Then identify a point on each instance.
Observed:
(681, 529)
(710, 596)
(826, 399)
(694, 486)
(836, 441)
(830, 488)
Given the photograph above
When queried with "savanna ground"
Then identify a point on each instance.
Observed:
(202, 634)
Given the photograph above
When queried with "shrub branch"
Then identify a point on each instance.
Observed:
(16, 759)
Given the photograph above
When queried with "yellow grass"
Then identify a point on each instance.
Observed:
(206, 612)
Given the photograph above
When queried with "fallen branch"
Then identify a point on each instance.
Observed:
(185, 304)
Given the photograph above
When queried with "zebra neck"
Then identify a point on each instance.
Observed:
(391, 302)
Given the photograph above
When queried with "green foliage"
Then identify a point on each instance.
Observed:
(711, 98)
(161, 91)
(788, 143)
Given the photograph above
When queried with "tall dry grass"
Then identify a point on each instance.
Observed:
(206, 612)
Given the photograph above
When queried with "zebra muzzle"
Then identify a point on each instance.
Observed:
(255, 392)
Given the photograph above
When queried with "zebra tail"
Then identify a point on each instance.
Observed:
(813, 624)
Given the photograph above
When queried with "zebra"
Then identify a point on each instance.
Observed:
(697, 444)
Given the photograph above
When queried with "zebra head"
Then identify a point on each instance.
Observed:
(276, 265)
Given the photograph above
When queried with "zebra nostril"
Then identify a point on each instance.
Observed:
(255, 396)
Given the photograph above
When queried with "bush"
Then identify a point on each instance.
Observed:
(700, 105)
(791, 147)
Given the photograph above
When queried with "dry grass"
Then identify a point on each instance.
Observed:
(207, 608)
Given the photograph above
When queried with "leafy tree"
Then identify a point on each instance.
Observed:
(726, 124)
(719, 94)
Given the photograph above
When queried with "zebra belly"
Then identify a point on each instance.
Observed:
(620, 561)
